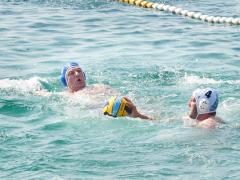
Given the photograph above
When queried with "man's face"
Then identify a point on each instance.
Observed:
(75, 79)
(193, 108)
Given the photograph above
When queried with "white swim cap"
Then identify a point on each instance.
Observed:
(206, 100)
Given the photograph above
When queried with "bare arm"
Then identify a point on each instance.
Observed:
(135, 113)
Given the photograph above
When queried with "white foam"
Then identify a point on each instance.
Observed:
(231, 103)
(198, 80)
(28, 85)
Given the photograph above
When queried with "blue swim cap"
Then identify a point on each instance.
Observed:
(65, 69)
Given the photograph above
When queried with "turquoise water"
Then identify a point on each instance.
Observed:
(155, 58)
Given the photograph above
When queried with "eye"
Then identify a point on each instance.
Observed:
(70, 73)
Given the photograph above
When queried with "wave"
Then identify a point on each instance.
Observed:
(36, 83)
(231, 104)
(204, 80)
(46, 89)
(29, 85)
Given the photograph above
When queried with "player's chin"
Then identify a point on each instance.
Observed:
(193, 115)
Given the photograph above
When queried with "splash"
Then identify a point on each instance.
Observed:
(198, 80)
(29, 85)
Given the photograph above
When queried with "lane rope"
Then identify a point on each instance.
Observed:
(182, 12)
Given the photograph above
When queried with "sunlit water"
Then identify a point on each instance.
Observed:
(155, 58)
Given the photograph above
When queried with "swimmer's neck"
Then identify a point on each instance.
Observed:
(202, 117)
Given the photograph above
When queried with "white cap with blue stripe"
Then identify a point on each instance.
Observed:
(206, 100)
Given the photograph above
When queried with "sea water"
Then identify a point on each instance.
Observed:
(155, 58)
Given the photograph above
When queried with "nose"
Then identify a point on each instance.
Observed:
(76, 73)
(189, 103)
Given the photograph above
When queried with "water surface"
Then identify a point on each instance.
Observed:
(155, 58)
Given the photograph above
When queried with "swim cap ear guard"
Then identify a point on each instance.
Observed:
(65, 69)
(203, 106)
(206, 100)
(116, 107)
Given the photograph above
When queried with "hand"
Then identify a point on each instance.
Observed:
(135, 113)
(193, 108)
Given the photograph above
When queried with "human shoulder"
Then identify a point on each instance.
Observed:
(101, 88)
(209, 123)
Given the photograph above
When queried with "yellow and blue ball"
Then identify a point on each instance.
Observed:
(116, 107)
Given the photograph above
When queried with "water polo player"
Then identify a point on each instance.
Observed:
(203, 105)
(73, 77)
(122, 106)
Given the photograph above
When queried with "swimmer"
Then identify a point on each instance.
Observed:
(73, 77)
(122, 106)
(203, 105)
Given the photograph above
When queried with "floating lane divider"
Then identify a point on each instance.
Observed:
(182, 12)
